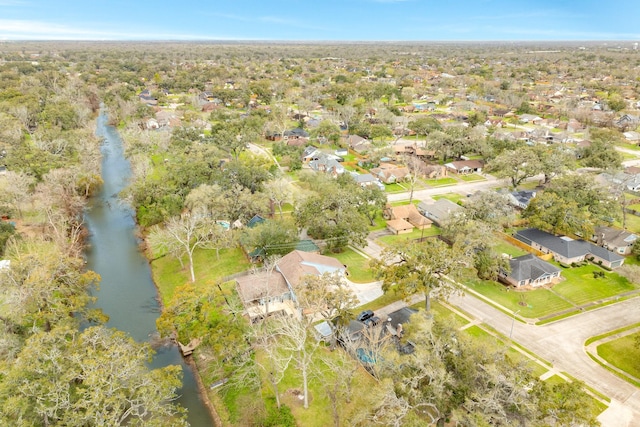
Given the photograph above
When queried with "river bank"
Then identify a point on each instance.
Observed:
(128, 294)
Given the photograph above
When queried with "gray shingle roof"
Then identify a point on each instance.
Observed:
(530, 267)
(565, 246)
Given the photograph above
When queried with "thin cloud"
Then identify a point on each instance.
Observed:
(38, 30)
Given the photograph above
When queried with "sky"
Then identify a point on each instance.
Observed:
(320, 20)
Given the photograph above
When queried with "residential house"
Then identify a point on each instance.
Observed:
(628, 121)
(296, 135)
(408, 213)
(567, 250)
(632, 136)
(148, 99)
(390, 173)
(633, 184)
(265, 293)
(366, 180)
(529, 270)
(310, 153)
(435, 171)
(399, 226)
(615, 239)
(530, 118)
(521, 198)
(297, 264)
(440, 211)
(327, 163)
(358, 143)
(464, 167)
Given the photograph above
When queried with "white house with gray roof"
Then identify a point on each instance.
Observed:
(529, 270)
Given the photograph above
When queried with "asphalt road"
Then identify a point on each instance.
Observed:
(562, 344)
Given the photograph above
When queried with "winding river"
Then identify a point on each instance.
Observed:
(127, 293)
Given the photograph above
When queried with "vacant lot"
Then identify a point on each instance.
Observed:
(623, 354)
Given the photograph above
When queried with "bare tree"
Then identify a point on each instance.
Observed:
(279, 191)
(416, 171)
(296, 339)
(337, 380)
(188, 232)
(275, 362)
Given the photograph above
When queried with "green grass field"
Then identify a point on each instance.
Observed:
(509, 249)
(532, 304)
(357, 266)
(623, 354)
(440, 182)
(472, 177)
(394, 188)
(454, 197)
(580, 287)
(415, 234)
(167, 273)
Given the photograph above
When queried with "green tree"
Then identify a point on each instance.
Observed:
(95, 377)
(410, 268)
(333, 215)
(424, 126)
(517, 165)
(272, 237)
(371, 200)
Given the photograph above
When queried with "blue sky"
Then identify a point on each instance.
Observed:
(319, 20)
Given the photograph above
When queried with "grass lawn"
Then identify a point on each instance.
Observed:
(357, 265)
(472, 177)
(167, 273)
(632, 223)
(509, 249)
(394, 188)
(440, 182)
(443, 313)
(380, 223)
(454, 197)
(580, 287)
(623, 354)
(630, 146)
(494, 342)
(538, 302)
(553, 380)
(319, 413)
(415, 234)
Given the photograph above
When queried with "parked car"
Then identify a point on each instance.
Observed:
(367, 314)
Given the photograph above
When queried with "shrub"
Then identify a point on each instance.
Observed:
(278, 417)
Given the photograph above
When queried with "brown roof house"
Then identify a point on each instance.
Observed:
(402, 219)
(389, 173)
(266, 293)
